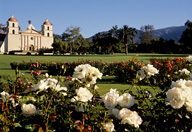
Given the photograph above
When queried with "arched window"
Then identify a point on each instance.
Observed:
(47, 28)
(47, 34)
(13, 31)
(13, 24)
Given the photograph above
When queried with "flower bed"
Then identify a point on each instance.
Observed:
(73, 104)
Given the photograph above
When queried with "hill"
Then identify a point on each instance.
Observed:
(168, 33)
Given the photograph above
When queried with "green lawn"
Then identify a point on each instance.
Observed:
(6, 59)
(104, 85)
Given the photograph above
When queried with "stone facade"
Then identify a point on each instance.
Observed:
(29, 40)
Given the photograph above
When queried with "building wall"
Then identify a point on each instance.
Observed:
(11, 27)
(4, 47)
(47, 29)
(13, 41)
(28, 40)
(47, 42)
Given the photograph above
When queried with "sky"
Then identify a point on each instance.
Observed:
(93, 16)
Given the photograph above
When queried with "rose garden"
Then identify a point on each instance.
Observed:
(66, 97)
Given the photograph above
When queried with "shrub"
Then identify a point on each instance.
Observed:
(73, 104)
(126, 71)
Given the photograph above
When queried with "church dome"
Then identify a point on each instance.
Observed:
(47, 22)
(12, 19)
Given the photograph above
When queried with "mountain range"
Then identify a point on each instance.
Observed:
(173, 32)
(168, 33)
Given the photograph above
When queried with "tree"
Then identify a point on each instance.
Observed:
(97, 41)
(114, 39)
(147, 34)
(114, 30)
(56, 36)
(70, 35)
(84, 44)
(105, 42)
(81, 45)
(186, 37)
(3, 28)
(59, 46)
(126, 34)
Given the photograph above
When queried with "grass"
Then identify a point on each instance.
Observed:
(104, 85)
(108, 82)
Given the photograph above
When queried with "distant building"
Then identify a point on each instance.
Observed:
(27, 41)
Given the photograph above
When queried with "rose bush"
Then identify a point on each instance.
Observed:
(73, 104)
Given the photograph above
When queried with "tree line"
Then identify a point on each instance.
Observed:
(124, 39)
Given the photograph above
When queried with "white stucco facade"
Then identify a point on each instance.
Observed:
(28, 40)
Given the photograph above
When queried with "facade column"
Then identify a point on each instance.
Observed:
(27, 43)
(37, 43)
(21, 42)
(24, 42)
(40, 43)
(34, 43)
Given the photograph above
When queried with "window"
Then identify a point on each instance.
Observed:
(47, 28)
(13, 24)
(13, 31)
(47, 34)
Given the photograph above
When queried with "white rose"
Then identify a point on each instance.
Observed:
(51, 82)
(46, 75)
(87, 74)
(190, 76)
(188, 93)
(59, 88)
(84, 94)
(150, 70)
(28, 109)
(141, 74)
(94, 72)
(188, 83)
(130, 117)
(109, 126)
(42, 85)
(124, 112)
(74, 99)
(110, 99)
(5, 94)
(81, 70)
(126, 100)
(189, 58)
(115, 112)
(176, 97)
(92, 75)
(9, 97)
(188, 105)
(184, 71)
(179, 84)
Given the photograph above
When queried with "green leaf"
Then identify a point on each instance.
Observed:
(17, 125)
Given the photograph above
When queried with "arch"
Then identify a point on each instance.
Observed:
(48, 34)
(13, 31)
(48, 28)
(13, 24)
(31, 48)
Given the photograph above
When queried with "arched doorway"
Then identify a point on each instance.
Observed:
(31, 48)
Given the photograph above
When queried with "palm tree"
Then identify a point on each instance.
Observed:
(113, 33)
(114, 30)
(126, 34)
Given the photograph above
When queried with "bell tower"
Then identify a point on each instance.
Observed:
(12, 26)
(47, 29)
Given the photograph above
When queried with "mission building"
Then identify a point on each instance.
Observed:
(29, 40)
